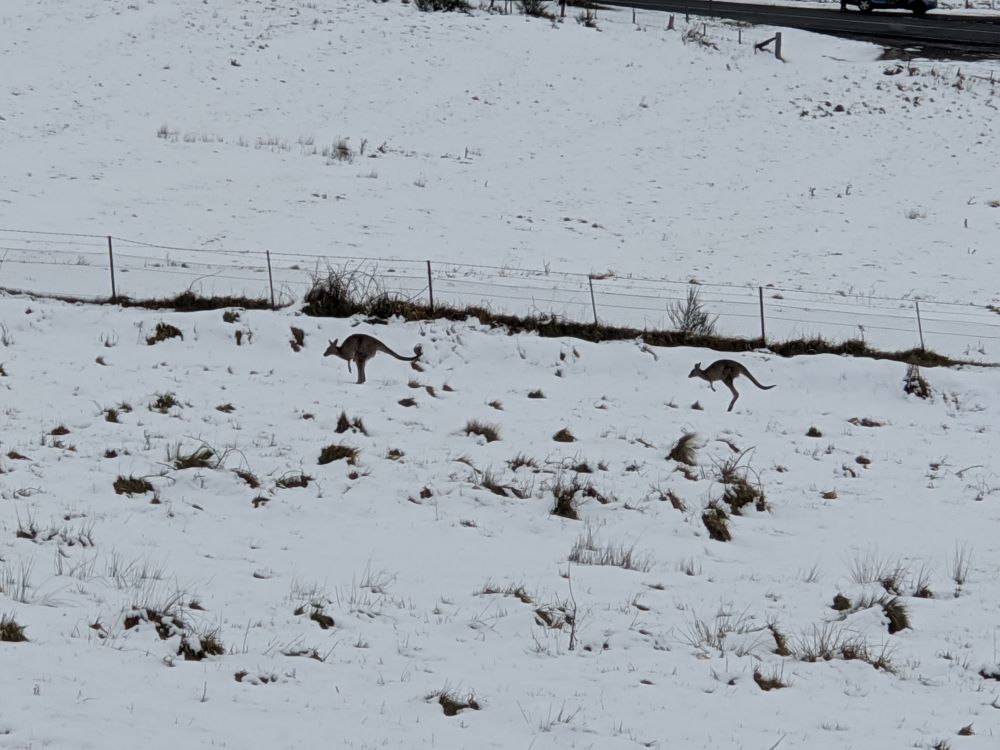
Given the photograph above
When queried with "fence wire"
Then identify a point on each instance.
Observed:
(79, 265)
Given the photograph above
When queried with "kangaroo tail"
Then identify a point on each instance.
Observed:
(417, 350)
(756, 382)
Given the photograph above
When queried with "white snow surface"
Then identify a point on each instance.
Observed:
(691, 162)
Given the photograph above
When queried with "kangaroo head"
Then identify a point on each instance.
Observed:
(696, 371)
(332, 349)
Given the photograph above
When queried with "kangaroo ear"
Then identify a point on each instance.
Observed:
(697, 365)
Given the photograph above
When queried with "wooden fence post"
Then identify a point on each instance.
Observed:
(111, 264)
(270, 277)
(777, 45)
(670, 23)
(763, 335)
(430, 286)
(593, 302)
(920, 326)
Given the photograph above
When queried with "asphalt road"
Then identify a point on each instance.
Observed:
(936, 28)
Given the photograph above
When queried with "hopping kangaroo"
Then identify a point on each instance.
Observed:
(727, 371)
(360, 347)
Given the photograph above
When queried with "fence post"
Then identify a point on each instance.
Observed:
(777, 45)
(111, 264)
(430, 286)
(920, 326)
(270, 278)
(763, 335)
(593, 303)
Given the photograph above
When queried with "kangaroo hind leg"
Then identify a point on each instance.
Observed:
(736, 394)
(360, 361)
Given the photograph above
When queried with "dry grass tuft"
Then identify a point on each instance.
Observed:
(338, 452)
(489, 431)
(132, 485)
(564, 436)
(684, 450)
(163, 332)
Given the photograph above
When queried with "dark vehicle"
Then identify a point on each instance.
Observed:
(917, 7)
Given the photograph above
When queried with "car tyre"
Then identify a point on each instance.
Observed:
(865, 6)
(919, 9)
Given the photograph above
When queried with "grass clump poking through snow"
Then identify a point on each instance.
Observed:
(163, 332)
(564, 436)
(684, 449)
(197, 647)
(132, 485)
(690, 316)
(298, 339)
(344, 424)
(11, 631)
(164, 402)
(536, 9)
(716, 520)
(565, 498)
(489, 431)
(444, 6)
(739, 492)
(587, 550)
(914, 384)
(450, 701)
(293, 479)
(773, 681)
(337, 452)
(199, 458)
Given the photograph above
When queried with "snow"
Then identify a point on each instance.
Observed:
(693, 162)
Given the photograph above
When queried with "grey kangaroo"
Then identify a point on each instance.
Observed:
(727, 371)
(360, 347)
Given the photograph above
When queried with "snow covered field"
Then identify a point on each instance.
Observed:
(431, 563)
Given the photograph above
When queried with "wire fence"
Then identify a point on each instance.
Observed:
(98, 267)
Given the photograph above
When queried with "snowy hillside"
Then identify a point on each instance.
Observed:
(210, 536)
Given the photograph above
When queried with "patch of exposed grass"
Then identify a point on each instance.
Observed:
(132, 485)
(11, 631)
(344, 424)
(198, 647)
(522, 461)
(772, 681)
(536, 394)
(489, 431)
(565, 491)
(293, 479)
(587, 550)
(298, 339)
(915, 384)
(338, 452)
(407, 402)
(316, 613)
(452, 703)
(865, 422)
(230, 316)
(716, 520)
(564, 436)
(202, 457)
(517, 591)
(60, 430)
(249, 477)
(163, 332)
(225, 408)
(685, 449)
(164, 402)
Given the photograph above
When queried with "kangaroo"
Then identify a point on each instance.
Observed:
(727, 371)
(360, 347)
